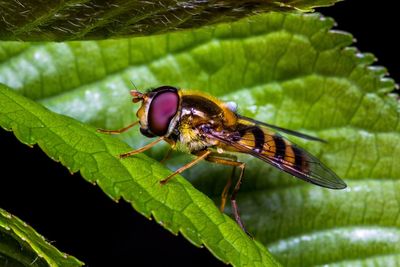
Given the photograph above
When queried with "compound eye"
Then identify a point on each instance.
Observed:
(162, 109)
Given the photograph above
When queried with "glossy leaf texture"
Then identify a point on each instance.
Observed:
(290, 70)
(178, 206)
(83, 20)
(21, 246)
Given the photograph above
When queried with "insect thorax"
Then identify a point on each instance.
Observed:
(188, 138)
(195, 111)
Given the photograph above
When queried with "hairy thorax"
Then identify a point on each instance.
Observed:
(196, 112)
(190, 139)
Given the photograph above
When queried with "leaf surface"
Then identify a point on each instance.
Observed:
(21, 246)
(178, 206)
(290, 70)
(83, 19)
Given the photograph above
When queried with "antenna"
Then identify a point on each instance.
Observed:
(134, 85)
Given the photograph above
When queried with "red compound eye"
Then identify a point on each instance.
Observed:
(162, 109)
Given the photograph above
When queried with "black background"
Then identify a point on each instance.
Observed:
(81, 220)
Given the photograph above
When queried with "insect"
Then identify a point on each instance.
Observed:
(210, 129)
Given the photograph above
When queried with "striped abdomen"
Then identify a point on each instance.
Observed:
(263, 143)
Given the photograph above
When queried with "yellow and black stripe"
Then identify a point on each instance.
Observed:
(273, 146)
(258, 140)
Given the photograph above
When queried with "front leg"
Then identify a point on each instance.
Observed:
(118, 131)
(142, 149)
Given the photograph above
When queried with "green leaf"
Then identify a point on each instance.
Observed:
(21, 246)
(82, 20)
(178, 206)
(289, 70)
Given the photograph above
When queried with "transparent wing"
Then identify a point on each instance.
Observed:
(283, 130)
(259, 141)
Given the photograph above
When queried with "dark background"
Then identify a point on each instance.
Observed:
(81, 220)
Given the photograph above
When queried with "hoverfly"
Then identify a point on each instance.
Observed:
(210, 129)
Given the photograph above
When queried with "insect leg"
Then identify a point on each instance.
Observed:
(201, 155)
(242, 167)
(118, 131)
(225, 192)
(216, 158)
(146, 147)
(233, 198)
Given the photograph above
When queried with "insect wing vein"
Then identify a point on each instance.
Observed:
(296, 161)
